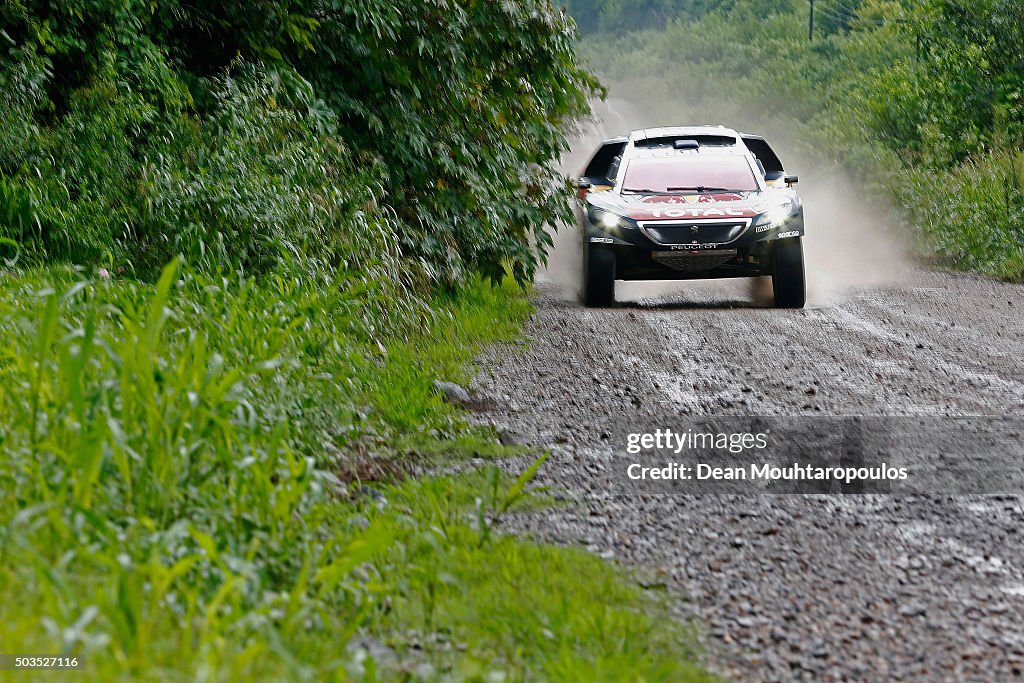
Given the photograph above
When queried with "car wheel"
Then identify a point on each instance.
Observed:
(599, 276)
(788, 274)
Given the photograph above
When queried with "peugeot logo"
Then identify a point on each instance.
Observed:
(694, 229)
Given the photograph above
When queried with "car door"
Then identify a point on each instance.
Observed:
(774, 172)
(596, 172)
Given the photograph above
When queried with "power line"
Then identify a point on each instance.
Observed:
(843, 14)
(831, 14)
(851, 13)
(856, 12)
(837, 14)
(827, 14)
(847, 8)
(834, 13)
(824, 11)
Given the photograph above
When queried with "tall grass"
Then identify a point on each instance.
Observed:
(973, 215)
(163, 494)
(173, 503)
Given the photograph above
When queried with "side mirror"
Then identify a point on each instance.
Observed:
(792, 180)
(582, 184)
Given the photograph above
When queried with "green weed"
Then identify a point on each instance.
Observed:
(172, 505)
(973, 215)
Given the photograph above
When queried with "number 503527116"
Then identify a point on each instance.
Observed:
(38, 662)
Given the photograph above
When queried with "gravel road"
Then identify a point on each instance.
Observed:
(787, 587)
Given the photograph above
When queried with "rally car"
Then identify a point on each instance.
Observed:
(688, 203)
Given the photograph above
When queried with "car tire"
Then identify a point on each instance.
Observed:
(788, 274)
(598, 277)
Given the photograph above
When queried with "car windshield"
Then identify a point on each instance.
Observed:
(689, 173)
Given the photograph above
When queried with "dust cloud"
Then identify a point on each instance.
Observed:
(853, 240)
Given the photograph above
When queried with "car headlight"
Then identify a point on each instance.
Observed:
(777, 215)
(606, 219)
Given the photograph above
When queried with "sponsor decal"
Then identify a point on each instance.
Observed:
(601, 240)
(697, 212)
(764, 228)
(791, 233)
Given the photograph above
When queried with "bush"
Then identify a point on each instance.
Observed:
(264, 178)
(174, 506)
(237, 137)
(261, 179)
(973, 215)
(169, 480)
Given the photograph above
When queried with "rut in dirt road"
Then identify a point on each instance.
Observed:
(788, 587)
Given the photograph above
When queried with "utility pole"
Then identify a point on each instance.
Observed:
(810, 25)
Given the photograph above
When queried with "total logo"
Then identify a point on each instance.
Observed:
(696, 212)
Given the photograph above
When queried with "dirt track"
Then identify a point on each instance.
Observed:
(858, 588)
(787, 587)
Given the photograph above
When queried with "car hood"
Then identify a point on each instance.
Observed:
(647, 207)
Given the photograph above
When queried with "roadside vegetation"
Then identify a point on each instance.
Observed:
(238, 247)
(922, 101)
(181, 495)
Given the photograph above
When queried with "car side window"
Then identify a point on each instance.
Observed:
(613, 169)
(596, 170)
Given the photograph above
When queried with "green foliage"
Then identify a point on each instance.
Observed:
(172, 507)
(973, 215)
(631, 15)
(264, 179)
(464, 102)
(242, 135)
(975, 57)
(260, 180)
(494, 503)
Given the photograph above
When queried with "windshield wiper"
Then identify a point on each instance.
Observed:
(642, 190)
(678, 190)
(701, 189)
